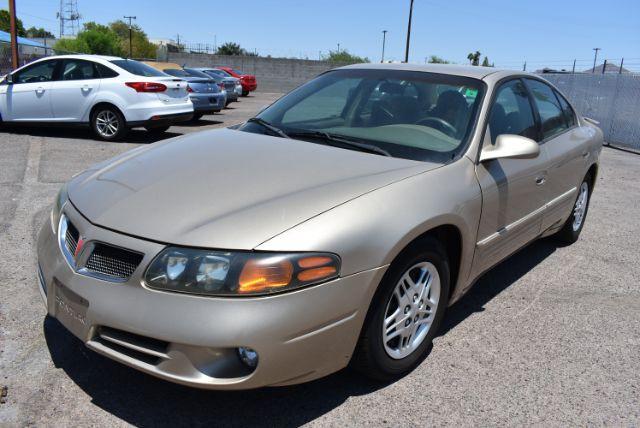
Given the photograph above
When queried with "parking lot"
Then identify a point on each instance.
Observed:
(549, 337)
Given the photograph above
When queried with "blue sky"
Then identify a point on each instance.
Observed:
(542, 32)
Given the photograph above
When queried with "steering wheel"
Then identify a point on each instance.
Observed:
(439, 124)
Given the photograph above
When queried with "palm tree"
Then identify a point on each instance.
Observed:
(474, 58)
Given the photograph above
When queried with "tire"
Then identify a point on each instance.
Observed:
(157, 129)
(197, 117)
(386, 359)
(245, 93)
(104, 119)
(570, 232)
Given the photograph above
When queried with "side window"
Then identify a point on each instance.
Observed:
(40, 72)
(551, 114)
(511, 112)
(105, 72)
(567, 111)
(76, 69)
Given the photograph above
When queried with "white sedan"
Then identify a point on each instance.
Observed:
(109, 94)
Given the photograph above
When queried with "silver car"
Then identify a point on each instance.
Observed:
(333, 229)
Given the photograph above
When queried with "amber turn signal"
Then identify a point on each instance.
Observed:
(316, 274)
(264, 274)
(314, 261)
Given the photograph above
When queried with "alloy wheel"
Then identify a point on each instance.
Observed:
(411, 310)
(580, 207)
(107, 123)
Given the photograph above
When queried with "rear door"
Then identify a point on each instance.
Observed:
(564, 144)
(513, 195)
(28, 97)
(72, 94)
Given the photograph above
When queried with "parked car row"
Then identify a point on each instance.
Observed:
(112, 95)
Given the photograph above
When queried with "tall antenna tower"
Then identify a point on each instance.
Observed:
(69, 18)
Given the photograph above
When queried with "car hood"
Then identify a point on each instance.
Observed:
(227, 189)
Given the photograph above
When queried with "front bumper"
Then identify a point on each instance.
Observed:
(192, 340)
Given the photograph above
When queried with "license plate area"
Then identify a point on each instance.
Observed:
(71, 310)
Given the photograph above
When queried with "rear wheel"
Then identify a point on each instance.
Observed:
(108, 124)
(197, 117)
(405, 314)
(570, 232)
(245, 93)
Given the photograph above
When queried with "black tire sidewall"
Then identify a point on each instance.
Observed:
(122, 125)
(385, 366)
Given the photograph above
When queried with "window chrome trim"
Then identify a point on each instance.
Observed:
(508, 228)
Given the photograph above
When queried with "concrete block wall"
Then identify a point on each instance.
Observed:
(273, 74)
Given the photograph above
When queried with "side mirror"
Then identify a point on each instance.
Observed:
(9, 79)
(511, 146)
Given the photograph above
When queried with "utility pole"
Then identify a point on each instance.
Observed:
(14, 34)
(384, 40)
(130, 35)
(524, 67)
(406, 52)
(595, 58)
(338, 47)
(573, 70)
(178, 42)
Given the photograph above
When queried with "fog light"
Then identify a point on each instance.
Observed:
(248, 356)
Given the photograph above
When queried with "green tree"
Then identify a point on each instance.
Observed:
(39, 33)
(142, 47)
(5, 23)
(434, 59)
(474, 58)
(485, 62)
(343, 56)
(93, 39)
(230, 48)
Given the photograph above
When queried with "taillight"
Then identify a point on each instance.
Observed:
(147, 86)
(221, 85)
(189, 89)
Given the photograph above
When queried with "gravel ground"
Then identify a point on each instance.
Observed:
(549, 337)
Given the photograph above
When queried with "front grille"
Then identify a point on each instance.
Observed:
(71, 238)
(113, 261)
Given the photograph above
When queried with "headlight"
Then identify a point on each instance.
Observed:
(61, 199)
(219, 273)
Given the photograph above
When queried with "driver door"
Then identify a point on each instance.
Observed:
(513, 194)
(28, 98)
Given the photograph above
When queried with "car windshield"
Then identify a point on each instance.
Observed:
(197, 73)
(137, 68)
(221, 73)
(409, 114)
(177, 72)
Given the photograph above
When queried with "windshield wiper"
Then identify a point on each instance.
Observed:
(269, 126)
(340, 140)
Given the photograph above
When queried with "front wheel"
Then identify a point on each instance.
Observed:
(108, 123)
(570, 232)
(405, 313)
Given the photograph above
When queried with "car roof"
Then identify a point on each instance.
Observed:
(476, 72)
(85, 56)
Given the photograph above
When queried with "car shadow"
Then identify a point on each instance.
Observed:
(496, 280)
(200, 122)
(134, 136)
(143, 400)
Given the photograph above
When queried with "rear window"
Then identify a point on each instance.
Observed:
(137, 68)
(197, 73)
(238, 72)
(176, 72)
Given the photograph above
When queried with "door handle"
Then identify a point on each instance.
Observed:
(40, 90)
(540, 180)
(86, 88)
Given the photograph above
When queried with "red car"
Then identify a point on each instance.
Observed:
(248, 81)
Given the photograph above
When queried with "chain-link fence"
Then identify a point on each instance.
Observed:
(611, 99)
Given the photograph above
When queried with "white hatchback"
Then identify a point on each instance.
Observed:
(109, 94)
